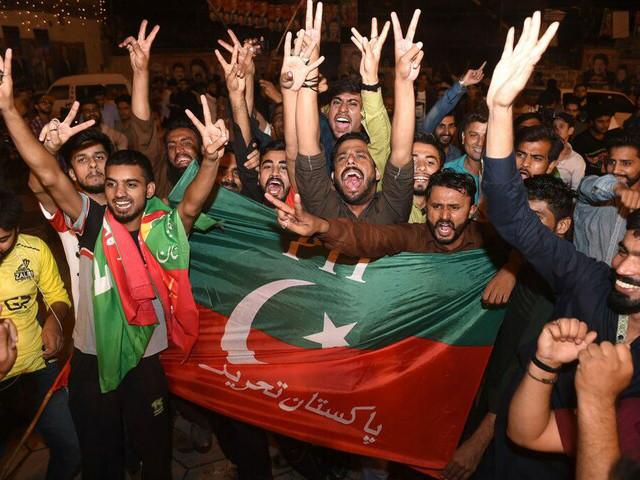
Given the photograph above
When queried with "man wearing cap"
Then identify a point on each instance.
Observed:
(571, 165)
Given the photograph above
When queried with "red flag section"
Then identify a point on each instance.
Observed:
(404, 402)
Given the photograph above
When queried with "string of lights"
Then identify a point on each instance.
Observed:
(38, 13)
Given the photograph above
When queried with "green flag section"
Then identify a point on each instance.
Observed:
(380, 357)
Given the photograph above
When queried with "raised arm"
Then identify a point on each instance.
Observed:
(375, 118)
(532, 423)
(408, 57)
(449, 100)
(42, 163)
(139, 53)
(307, 116)
(214, 138)
(605, 371)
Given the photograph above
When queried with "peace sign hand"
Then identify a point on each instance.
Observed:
(371, 50)
(403, 44)
(313, 26)
(55, 133)
(295, 64)
(140, 49)
(214, 135)
(235, 81)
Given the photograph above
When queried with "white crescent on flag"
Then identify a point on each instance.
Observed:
(236, 332)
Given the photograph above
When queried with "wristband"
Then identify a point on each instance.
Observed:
(370, 88)
(544, 366)
(462, 84)
(546, 381)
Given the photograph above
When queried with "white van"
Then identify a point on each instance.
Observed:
(66, 90)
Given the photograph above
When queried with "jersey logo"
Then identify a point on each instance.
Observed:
(23, 272)
(16, 303)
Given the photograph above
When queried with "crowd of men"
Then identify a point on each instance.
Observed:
(369, 175)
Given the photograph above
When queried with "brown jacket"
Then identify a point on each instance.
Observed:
(360, 239)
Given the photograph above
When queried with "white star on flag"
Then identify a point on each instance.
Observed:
(331, 336)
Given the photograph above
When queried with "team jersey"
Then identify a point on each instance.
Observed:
(27, 269)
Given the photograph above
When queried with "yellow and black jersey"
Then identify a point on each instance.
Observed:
(29, 267)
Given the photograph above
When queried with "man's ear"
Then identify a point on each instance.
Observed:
(377, 175)
(462, 138)
(72, 175)
(473, 210)
(571, 130)
(563, 226)
(551, 166)
(151, 189)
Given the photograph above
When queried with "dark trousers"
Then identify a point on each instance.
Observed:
(139, 404)
(20, 399)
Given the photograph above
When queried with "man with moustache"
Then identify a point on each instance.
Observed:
(605, 202)
(474, 135)
(427, 158)
(448, 227)
(606, 299)
(90, 110)
(43, 105)
(228, 174)
(537, 150)
(444, 132)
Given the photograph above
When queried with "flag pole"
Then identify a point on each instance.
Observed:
(295, 12)
(64, 373)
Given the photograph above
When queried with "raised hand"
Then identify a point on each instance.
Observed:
(295, 64)
(235, 83)
(403, 44)
(516, 64)
(55, 133)
(246, 52)
(604, 371)
(296, 219)
(313, 26)
(474, 76)
(6, 82)
(214, 135)
(140, 48)
(371, 49)
(408, 67)
(270, 91)
(562, 340)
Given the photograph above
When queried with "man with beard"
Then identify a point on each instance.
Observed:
(445, 132)
(354, 171)
(43, 105)
(448, 227)
(474, 135)
(605, 202)
(27, 267)
(592, 143)
(585, 288)
(537, 150)
(90, 110)
(228, 174)
(427, 158)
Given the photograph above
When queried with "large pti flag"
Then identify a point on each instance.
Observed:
(376, 357)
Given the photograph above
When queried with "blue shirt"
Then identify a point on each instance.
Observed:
(440, 109)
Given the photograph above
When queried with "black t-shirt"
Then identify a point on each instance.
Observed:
(593, 151)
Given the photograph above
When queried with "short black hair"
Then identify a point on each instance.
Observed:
(430, 139)
(182, 122)
(625, 139)
(580, 85)
(345, 85)
(633, 222)
(87, 101)
(523, 117)
(123, 98)
(539, 133)
(98, 90)
(462, 182)
(83, 139)
(348, 136)
(10, 210)
(272, 146)
(598, 111)
(570, 99)
(133, 158)
(477, 116)
(601, 56)
(177, 64)
(557, 194)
